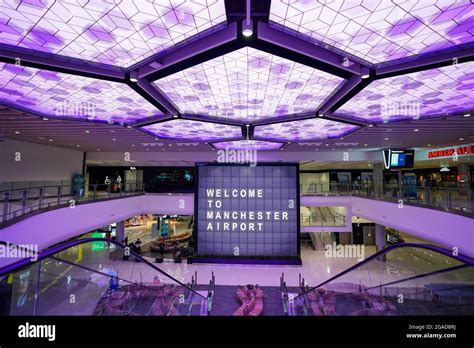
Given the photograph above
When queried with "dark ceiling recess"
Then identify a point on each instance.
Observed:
(259, 9)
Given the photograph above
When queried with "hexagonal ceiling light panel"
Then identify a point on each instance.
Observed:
(63, 95)
(259, 145)
(247, 86)
(378, 31)
(434, 92)
(193, 130)
(119, 32)
(302, 130)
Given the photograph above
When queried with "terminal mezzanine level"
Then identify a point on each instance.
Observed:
(52, 226)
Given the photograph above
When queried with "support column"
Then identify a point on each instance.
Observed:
(378, 179)
(380, 240)
(400, 184)
(120, 231)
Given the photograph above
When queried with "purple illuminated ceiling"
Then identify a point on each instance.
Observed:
(62, 95)
(378, 31)
(309, 129)
(118, 32)
(426, 93)
(259, 145)
(248, 85)
(193, 130)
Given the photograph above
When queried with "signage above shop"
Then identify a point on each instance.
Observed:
(460, 150)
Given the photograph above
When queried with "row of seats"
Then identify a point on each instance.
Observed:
(251, 298)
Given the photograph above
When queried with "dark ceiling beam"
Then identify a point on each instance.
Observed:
(198, 51)
(436, 61)
(236, 10)
(72, 66)
(306, 53)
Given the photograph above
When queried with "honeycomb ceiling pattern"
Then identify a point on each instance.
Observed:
(421, 94)
(248, 85)
(56, 94)
(248, 145)
(378, 31)
(244, 86)
(119, 32)
(193, 130)
(302, 130)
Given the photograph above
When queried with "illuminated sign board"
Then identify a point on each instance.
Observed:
(460, 150)
(245, 211)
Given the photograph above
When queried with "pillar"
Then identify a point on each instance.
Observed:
(120, 231)
(380, 240)
(378, 179)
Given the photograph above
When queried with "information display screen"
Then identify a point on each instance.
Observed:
(397, 159)
(246, 211)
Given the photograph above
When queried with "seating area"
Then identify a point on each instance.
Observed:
(251, 298)
(170, 242)
(323, 302)
(141, 299)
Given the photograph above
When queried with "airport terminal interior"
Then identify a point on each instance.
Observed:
(236, 158)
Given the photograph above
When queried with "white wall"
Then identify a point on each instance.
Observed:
(38, 162)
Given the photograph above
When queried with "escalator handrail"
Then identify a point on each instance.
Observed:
(446, 252)
(56, 249)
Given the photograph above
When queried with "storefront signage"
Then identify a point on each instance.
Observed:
(461, 150)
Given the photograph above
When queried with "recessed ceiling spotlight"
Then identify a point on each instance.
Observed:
(148, 149)
(17, 132)
(157, 139)
(365, 144)
(78, 145)
(134, 76)
(364, 73)
(386, 139)
(50, 140)
(129, 127)
(321, 114)
(175, 116)
(371, 125)
(461, 138)
(170, 145)
(98, 149)
(416, 130)
(247, 125)
(133, 145)
(112, 131)
(317, 149)
(87, 131)
(327, 144)
(247, 27)
(114, 139)
(45, 118)
(467, 115)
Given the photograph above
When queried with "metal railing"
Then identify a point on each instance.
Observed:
(323, 216)
(17, 199)
(455, 199)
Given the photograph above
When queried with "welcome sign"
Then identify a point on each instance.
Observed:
(247, 211)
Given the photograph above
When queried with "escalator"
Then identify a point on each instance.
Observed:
(100, 277)
(415, 279)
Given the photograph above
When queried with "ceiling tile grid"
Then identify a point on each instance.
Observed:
(441, 91)
(193, 130)
(119, 32)
(302, 130)
(247, 86)
(248, 145)
(378, 31)
(56, 94)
